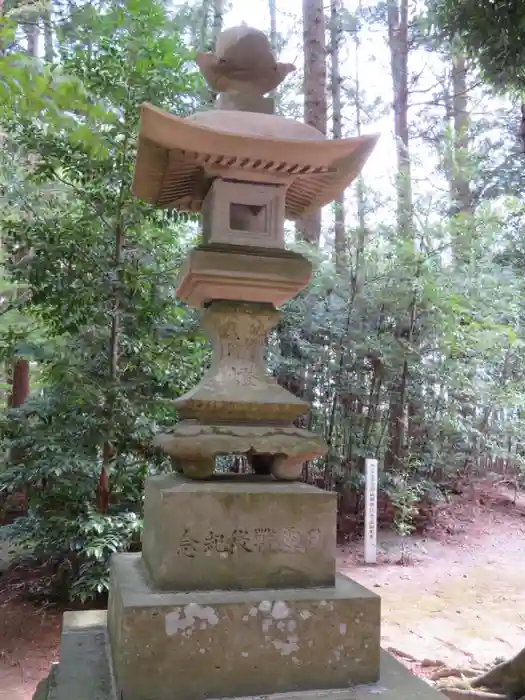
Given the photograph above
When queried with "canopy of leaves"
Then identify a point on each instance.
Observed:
(100, 270)
(491, 31)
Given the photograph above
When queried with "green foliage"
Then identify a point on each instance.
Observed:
(461, 315)
(100, 272)
(421, 337)
(405, 496)
(491, 31)
(405, 491)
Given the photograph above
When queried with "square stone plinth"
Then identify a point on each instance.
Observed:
(238, 534)
(85, 672)
(211, 644)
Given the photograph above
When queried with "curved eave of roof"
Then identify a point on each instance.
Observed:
(172, 154)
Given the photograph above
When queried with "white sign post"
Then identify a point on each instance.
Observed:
(370, 511)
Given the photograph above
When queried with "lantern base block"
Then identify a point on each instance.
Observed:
(85, 672)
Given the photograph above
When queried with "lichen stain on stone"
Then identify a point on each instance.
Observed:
(184, 620)
(288, 647)
(266, 624)
(280, 610)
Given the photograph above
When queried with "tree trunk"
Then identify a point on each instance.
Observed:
(461, 121)
(272, 9)
(218, 20)
(399, 49)
(357, 274)
(20, 383)
(460, 195)
(108, 450)
(205, 44)
(459, 185)
(32, 34)
(48, 33)
(1, 17)
(397, 16)
(309, 229)
(314, 87)
(336, 35)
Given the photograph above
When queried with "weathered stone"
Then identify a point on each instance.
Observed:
(189, 441)
(227, 643)
(245, 102)
(236, 213)
(237, 386)
(84, 671)
(243, 60)
(238, 533)
(46, 689)
(251, 275)
(198, 468)
(286, 468)
(80, 673)
(178, 158)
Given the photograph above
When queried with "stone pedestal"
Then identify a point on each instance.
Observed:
(225, 643)
(236, 593)
(237, 534)
(85, 672)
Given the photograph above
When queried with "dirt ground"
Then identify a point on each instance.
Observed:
(459, 599)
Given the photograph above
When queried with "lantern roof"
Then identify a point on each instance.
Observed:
(178, 158)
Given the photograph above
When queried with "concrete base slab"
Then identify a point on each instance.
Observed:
(84, 671)
(233, 643)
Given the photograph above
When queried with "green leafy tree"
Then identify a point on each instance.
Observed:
(101, 277)
(491, 32)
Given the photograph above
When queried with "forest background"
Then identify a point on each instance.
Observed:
(409, 342)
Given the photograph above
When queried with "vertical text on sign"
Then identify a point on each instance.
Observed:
(370, 511)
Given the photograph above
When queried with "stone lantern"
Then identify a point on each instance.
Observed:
(246, 172)
(235, 593)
